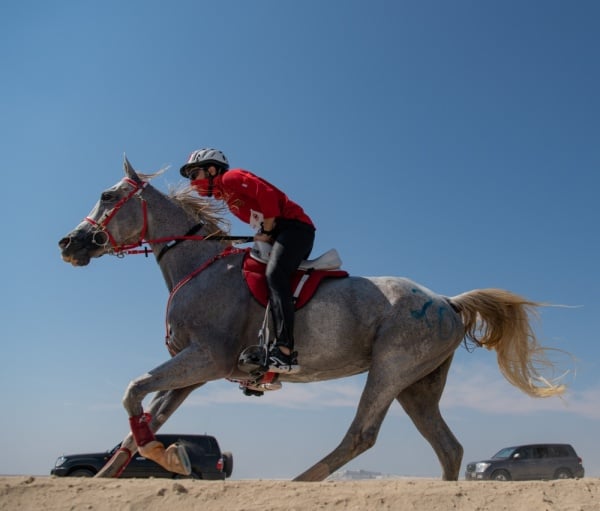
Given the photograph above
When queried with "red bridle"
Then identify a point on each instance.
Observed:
(102, 224)
(133, 248)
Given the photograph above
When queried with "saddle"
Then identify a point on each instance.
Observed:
(305, 281)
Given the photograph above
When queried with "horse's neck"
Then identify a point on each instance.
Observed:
(185, 258)
(165, 220)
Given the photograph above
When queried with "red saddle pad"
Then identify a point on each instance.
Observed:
(254, 274)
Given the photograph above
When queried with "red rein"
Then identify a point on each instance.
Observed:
(229, 251)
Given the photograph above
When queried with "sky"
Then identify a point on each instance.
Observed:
(453, 143)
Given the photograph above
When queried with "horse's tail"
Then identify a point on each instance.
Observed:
(501, 320)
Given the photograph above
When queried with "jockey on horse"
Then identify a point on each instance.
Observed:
(277, 220)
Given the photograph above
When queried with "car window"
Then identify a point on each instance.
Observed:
(525, 453)
(200, 444)
(504, 453)
(559, 451)
(114, 449)
(206, 445)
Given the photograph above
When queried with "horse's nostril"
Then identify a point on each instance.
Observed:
(64, 243)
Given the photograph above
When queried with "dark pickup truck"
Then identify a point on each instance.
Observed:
(207, 460)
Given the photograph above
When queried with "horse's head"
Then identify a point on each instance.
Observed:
(117, 222)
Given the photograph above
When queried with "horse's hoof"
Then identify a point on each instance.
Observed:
(174, 458)
(178, 459)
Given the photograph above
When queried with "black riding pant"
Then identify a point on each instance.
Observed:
(293, 243)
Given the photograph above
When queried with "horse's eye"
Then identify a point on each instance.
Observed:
(106, 197)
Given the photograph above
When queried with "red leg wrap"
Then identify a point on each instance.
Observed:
(140, 428)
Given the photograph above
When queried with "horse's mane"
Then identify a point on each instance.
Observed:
(208, 211)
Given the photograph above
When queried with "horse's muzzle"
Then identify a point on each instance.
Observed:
(79, 246)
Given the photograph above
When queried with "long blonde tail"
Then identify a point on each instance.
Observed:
(501, 320)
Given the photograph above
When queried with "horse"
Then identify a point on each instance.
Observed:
(398, 331)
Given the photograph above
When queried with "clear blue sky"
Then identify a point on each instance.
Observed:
(455, 143)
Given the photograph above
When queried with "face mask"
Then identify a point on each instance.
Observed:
(203, 187)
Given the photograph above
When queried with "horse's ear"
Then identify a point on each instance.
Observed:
(130, 171)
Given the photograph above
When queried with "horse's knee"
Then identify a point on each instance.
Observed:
(133, 397)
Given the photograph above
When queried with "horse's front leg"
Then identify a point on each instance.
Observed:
(190, 367)
(163, 405)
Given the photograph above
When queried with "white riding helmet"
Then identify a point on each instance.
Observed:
(204, 157)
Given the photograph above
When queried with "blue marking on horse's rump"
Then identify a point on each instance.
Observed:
(446, 321)
(420, 314)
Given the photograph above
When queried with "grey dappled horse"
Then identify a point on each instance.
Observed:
(401, 333)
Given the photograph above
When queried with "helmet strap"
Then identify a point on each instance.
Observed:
(210, 185)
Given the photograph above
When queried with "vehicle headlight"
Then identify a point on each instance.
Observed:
(481, 467)
(60, 461)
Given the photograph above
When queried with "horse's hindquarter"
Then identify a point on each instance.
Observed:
(351, 320)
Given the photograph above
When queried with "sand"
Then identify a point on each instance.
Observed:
(53, 493)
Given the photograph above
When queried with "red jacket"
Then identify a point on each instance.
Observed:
(251, 198)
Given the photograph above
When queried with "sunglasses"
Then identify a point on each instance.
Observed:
(194, 172)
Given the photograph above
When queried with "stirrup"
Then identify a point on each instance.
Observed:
(253, 359)
(267, 382)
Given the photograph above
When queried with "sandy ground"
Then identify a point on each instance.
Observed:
(53, 493)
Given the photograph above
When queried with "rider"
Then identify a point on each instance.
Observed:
(277, 220)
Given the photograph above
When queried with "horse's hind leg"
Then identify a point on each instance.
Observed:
(381, 389)
(421, 402)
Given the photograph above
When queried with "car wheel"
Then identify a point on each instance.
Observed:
(227, 463)
(501, 475)
(563, 473)
(82, 472)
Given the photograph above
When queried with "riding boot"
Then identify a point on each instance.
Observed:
(282, 313)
